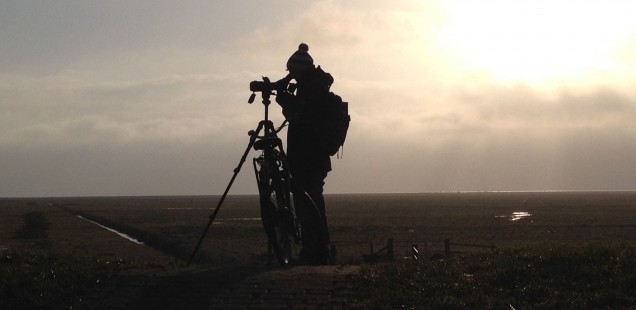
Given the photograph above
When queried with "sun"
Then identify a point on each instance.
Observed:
(538, 40)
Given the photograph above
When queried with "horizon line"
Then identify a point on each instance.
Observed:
(326, 194)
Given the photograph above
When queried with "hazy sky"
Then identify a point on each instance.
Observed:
(150, 97)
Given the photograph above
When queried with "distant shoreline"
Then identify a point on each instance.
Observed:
(327, 194)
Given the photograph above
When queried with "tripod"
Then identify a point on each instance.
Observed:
(274, 186)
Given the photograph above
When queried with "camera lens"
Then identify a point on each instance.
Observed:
(257, 86)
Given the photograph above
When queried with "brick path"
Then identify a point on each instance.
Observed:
(302, 287)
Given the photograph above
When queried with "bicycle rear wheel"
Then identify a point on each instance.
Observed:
(277, 211)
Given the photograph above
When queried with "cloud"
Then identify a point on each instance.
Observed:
(524, 108)
(67, 136)
(73, 110)
(496, 138)
(170, 116)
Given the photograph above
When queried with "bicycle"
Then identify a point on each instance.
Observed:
(273, 179)
(276, 202)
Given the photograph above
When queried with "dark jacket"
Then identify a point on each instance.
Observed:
(304, 111)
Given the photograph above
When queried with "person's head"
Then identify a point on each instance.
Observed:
(299, 61)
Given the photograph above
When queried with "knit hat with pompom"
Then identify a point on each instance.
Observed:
(300, 57)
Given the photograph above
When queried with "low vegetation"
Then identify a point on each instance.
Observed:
(43, 280)
(50, 258)
(589, 277)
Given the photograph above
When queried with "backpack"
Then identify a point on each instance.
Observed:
(335, 124)
(335, 120)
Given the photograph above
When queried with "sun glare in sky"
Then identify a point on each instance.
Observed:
(538, 41)
(445, 95)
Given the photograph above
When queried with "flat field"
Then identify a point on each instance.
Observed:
(169, 226)
(130, 253)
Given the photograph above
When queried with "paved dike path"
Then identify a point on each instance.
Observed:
(201, 287)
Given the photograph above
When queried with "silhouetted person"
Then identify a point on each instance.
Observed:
(309, 161)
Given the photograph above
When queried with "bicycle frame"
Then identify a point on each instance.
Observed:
(274, 184)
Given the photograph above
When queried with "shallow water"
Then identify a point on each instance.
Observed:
(125, 236)
(515, 216)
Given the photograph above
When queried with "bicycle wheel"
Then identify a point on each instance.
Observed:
(276, 210)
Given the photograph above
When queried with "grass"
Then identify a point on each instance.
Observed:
(40, 279)
(49, 257)
(589, 277)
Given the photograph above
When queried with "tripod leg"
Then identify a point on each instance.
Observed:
(227, 189)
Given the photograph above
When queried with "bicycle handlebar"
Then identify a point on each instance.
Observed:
(281, 126)
(276, 131)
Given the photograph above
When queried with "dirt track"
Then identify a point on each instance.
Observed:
(302, 287)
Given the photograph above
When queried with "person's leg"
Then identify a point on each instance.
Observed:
(310, 209)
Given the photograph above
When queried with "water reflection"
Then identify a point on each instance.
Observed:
(519, 215)
(516, 216)
(238, 219)
(178, 208)
(125, 236)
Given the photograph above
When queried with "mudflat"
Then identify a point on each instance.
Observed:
(161, 232)
(169, 226)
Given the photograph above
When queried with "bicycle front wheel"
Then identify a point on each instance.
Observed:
(277, 213)
(277, 222)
